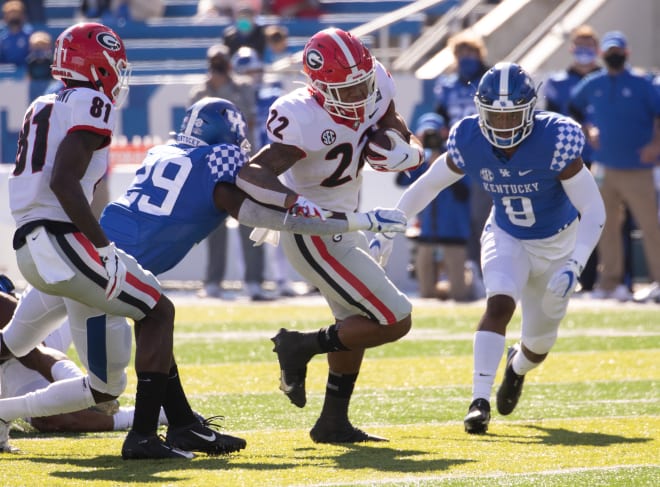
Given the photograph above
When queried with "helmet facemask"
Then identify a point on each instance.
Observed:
(507, 125)
(338, 98)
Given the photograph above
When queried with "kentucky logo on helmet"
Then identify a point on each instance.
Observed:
(107, 40)
(314, 59)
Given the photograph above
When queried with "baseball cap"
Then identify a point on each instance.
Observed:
(613, 38)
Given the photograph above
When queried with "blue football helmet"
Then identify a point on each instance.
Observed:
(505, 100)
(213, 121)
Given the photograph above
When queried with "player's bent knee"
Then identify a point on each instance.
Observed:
(110, 389)
(399, 329)
(540, 345)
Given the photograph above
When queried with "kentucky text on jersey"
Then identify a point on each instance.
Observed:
(511, 188)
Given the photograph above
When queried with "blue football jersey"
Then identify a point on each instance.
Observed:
(169, 206)
(529, 200)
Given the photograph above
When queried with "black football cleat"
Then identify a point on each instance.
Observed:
(341, 432)
(293, 361)
(511, 387)
(478, 416)
(198, 436)
(140, 447)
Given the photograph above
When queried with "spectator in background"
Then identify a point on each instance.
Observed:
(222, 82)
(277, 43)
(244, 30)
(584, 50)
(39, 59)
(138, 10)
(295, 8)
(444, 225)
(620, 112)
(454, 98)
(95, 8)
(35, 12)
(268, 88)
(214, 8)
(15, 35)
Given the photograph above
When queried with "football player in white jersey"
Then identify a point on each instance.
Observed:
(49, 363)
(316, 136)
(62, 250)
(534, 245)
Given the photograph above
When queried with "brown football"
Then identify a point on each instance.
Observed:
(378, 137)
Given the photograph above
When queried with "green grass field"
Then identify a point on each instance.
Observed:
(589, 416)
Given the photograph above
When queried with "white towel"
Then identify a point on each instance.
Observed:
(51, 267)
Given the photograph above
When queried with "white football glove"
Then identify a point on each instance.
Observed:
(563, 282)
(114, 268)
(306, 208)
(402, 156)
(387, 220)
(380, 248)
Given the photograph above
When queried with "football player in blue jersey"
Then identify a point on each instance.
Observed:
(533, 244)
(182, 191)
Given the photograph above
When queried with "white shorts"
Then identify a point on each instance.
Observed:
(522, 269)
(350, 280)
(140, 291)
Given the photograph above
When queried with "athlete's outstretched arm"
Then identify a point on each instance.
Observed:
(442, 173)
(253, 214)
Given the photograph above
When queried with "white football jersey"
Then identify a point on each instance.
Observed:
(47, 121)
(330, 174)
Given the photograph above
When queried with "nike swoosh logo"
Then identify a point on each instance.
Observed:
(523, 173)
(403, 160)
(208, 438)
(374, 113)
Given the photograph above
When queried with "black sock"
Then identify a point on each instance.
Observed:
(176, 406)
(329, 340)
(338, 392)
(151, 390)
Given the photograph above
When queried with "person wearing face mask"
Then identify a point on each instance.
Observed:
(454, 94)
(38, 62)
(620, 112)
(557, 93)
(443, 226)
(224, 82)
(15, 35)
(245, 31)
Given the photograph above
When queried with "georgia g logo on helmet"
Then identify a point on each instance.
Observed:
(314, 59)
(108, 41)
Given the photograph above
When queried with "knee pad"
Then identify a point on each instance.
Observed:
(500, 283)
(115, 385)
(540, 344)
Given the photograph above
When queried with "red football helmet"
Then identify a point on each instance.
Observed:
(93, 52)
(341, 71)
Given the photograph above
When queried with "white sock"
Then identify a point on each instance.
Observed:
(521, 364)
(488, 351)
(123, 419)
(65, 369)
(64, 396)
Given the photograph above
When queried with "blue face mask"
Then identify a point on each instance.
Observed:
(468, 67)
(244, 25)
(584, 55)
